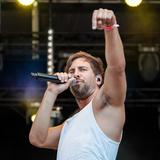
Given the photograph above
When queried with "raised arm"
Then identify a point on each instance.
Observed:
(114, 88)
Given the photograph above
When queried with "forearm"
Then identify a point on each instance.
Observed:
(114, 51)
(40, 126)
(114, 80)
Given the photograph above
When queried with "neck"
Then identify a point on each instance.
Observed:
(83, 102)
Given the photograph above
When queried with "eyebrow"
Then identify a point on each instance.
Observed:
(71, 69)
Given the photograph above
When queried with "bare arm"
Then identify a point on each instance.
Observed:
(41, 134)
(114, 80)
(114, 88)
(109, 101)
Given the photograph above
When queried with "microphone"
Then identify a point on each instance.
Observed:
(50, 78)
(46, 77)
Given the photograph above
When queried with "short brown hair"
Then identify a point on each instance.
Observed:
(95, 62)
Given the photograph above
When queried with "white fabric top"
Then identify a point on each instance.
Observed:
(82, 139)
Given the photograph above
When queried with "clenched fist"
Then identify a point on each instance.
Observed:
(103, 19)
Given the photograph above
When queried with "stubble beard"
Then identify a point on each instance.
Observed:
(80, 92)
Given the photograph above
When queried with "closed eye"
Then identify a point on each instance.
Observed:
(83, 69)
(80, 68)
(71, 70)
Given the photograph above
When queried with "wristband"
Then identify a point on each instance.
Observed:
(110, 28)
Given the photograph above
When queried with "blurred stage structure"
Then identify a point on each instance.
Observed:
(71, 21)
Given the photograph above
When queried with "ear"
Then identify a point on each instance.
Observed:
(99, 79)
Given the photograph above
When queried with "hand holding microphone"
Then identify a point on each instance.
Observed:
(58, 78)
(58, 82)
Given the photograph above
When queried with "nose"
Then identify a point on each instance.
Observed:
(76, 74)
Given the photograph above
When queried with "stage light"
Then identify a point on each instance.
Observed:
(50, 44)
(50, 56)
(32, 108)
(148, 62)
(133, 3)
(50, 31)
(35, 31)
(50, 50)
(26, 2)
(50, 38)
(33, 117)
(50, 63)
(49, 70)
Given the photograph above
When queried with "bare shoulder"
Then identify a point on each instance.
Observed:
(110, 118)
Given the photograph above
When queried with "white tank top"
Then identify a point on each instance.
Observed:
(82, 139)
